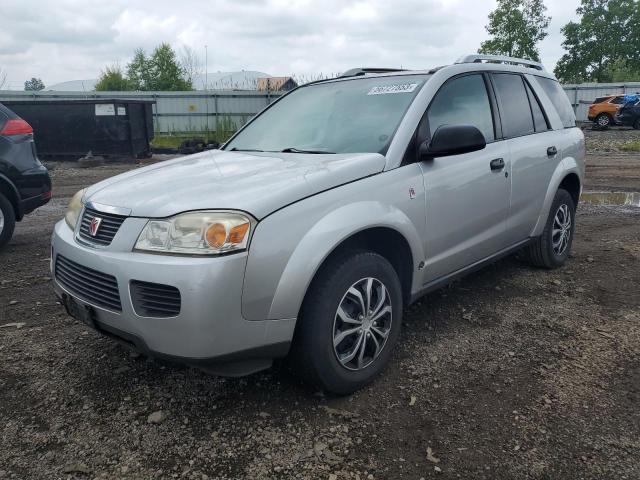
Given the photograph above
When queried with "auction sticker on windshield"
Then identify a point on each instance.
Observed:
(396, 88)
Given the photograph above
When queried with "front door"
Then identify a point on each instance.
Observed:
(467, 201)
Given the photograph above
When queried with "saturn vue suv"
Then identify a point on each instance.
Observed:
(334, 208)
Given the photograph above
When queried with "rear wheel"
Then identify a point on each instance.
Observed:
(603, 120)
(552, 248)
(7, 221)
(350, 321)
(636, 125)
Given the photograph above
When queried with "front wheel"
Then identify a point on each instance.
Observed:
(552, 248)
(7, 221)
(350, 321)
(603, 120)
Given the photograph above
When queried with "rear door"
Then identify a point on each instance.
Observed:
(534, 150)
(466, 201)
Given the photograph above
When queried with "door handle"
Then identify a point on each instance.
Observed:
(497, 164)
(551, 151)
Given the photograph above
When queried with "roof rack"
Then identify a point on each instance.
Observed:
(354, 72)
(481, 58)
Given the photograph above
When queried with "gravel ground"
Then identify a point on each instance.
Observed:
(512, 372)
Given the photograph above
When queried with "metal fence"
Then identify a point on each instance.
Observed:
(226, 110)
(213, 110)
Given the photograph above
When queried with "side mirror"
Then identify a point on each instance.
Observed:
(452, 140)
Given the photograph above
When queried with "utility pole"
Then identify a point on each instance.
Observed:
(206, 86)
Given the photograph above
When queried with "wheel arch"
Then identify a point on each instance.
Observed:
(9, 191)
(385, 241)
(571, 183)
(568, 176)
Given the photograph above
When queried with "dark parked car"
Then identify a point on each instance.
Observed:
(629, 115)
(24, 182)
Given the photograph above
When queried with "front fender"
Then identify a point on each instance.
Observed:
(323, 239)
(289, 246)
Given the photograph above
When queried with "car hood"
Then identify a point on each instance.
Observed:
(257, 183)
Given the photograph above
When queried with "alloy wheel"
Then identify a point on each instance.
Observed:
(1, 221)
(561, 233)
(362, 324)
(603, 121)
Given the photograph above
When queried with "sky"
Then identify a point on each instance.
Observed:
(70, 40)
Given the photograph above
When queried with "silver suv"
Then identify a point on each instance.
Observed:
(337, 206)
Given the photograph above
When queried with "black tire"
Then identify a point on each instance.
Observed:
(541, 252)
(312, 355)
(9, 217)
(636, 125)
(603, 121)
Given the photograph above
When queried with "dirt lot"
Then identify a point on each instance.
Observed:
(510, 373)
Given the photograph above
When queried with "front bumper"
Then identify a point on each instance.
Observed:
(209, 329)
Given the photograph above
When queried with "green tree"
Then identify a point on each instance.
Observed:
(603, 46)
(623, 71)
(138, 71)
(159, 71)
(165, 71)
(516, 26)
(112, 80)
(33, 85)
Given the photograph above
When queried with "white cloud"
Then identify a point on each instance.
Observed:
(73, 39)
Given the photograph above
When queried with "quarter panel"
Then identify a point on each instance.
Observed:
(573, 151)
(289, 246)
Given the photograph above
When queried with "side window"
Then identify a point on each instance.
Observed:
(515, 112)
(463, 100)
(617, 100)
(559, 99)
(539, 120)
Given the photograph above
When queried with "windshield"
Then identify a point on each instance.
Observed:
(336, 117)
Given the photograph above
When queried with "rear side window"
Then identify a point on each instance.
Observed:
(539, 120)
(600, 99)
(462, 101)
(515, 112)
(617, 100)
(560, 101)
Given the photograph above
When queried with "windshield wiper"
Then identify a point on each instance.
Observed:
(298, 150)
(234, 149)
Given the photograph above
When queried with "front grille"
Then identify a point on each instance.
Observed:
(89, 285)
(109, 226)
(154, 299)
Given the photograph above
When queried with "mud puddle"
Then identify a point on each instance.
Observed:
(611, 198)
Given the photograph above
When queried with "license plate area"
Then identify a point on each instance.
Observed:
(85, 313)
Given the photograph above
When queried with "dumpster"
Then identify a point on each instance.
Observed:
(73, 128)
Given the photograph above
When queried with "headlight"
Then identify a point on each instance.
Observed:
(74, 209)
(197, 233)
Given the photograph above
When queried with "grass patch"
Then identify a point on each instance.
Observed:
(632, 146)
(223, 128)
(173, 140)
(167, 141)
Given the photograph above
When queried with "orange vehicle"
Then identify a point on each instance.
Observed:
(603, 109)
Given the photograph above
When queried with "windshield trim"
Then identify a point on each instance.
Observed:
(383, 151)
